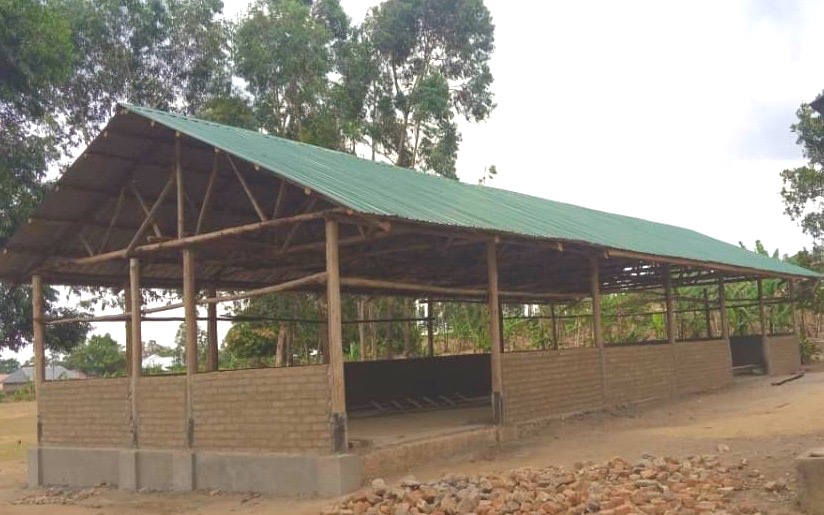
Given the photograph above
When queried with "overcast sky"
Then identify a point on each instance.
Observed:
(677, 112)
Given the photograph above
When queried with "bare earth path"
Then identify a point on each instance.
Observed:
(767, 425)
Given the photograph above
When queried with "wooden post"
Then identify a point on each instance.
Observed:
(127, 304)
(181, 197)
(190, 316)
(136, 357)
(212, 357)
(495, 333)
(762, 319)
(430, 333)
(407, 328)
(335, 338)
(554, 326)
(39, 343)
(670, 306)
(762, 308)
(725, 325)
(597, 329)
(722, 307)
(707, 316)
(361, 304)
(672, 327)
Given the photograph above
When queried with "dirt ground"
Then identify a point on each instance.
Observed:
(768, 425)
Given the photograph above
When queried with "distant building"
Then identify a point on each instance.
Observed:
(24, 375)
(155, 361)
(2, 377)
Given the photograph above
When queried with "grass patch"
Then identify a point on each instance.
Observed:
(17, 429)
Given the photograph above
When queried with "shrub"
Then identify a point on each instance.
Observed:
(809, 349)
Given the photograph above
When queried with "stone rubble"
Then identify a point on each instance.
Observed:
(60, 496)
(653, 486)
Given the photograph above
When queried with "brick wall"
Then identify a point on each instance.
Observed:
(161, 404)
(272, 409)
(543, 384)
(639, 372)
(703, 365)
(86, 412)
(783, 353)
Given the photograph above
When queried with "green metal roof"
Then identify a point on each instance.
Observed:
(381, 189)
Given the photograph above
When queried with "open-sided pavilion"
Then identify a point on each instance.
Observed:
(159, 200)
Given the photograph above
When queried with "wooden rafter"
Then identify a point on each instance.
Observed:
(279, 200)
(207, 197)
(145, 208)
(150, 215)
(117, 209)
(291, 234)
(246, 188)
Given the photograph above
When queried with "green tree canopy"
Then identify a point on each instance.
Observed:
(803, 190)
(100, 356)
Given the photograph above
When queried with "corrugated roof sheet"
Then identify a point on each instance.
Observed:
(381, 189)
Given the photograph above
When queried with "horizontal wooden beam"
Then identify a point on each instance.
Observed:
(191, 241)
(377, 284)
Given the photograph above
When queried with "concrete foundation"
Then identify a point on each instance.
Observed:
(134, 469)
(810, 471)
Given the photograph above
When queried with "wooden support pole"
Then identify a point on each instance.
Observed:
(212, 357)
(672, 332)
(495, 333)
(407, 328)
(39, 342)
(136, 357)
(127, 304)
(190, 313)
(597, 328)
(762, 318)
(335, 339)
(430, 327)
(554, 326)
(762, 308)
(181, 192)
(722, 307)
(707, 316)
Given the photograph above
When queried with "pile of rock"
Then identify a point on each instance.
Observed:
(60, 496)
(652, 485)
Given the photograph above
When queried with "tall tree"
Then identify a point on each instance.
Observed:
(433, 57)
(63, 66)
(803, 190)
(283, 49)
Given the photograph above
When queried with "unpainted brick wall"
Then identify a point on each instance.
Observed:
(540, 384)
(702, 365)
(161, 404)
(272, 409)
(86, 412)
(639, 372)
(783, 353)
